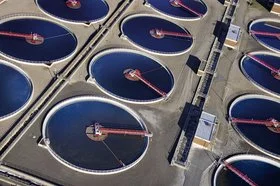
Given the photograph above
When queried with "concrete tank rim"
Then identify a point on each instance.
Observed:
(241, 157)
(72, 21)
(11, 17)
(131, 16)
(251, 143)
(178, 18)
(265, 52)
(75, 99)
(127, 100)
(260, 42)
(30, 82)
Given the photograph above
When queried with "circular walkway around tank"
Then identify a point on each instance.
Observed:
(108, 67)
(165, 8)
(257, 107)
(261, 170)
(89, 11)
(267, 25)
(259, 75)
(15, 90)
(138, 30)
(58, 43)
(65, 134)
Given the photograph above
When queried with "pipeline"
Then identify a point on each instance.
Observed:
(268, 123)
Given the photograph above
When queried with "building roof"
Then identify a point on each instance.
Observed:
(233, 33)
(205, 126)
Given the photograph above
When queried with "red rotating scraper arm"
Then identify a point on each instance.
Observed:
(179, 3)
(100, 130)
(265, 34)
(20, 35)
(269, 123)
(240, 174)
(32, 38)
(263, 63)
(136, 75)
(159, 33)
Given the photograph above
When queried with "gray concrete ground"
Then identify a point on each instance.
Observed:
(161, 118)
(228, 84)
(40, 75)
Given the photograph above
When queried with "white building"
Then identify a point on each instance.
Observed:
(233, 36)
(205, 129)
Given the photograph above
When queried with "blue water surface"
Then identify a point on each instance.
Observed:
(58, 44)
(108, 72)
(259, 109)
(90, 10)
(165, 7)
(66, 130)
(261, 173)
(271, 27)
(137, 29)
(15, 90)
(260, 74)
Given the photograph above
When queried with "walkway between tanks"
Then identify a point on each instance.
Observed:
(183, 148)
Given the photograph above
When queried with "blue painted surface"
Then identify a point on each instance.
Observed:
(15, 90)
(108, 72)
(137, 29)
(90, 10)
(268, 41)
(260, 74)
(165, 7)
(259, 109)
(261, 173)
(59, 42)
(66, 130)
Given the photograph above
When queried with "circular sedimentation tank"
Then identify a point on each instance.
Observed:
(156, 35)
(262, 69)
(15, 90)
(75, 11)
(267, 33)
(71, 137)
(179, 9)
(255, 118)
(35, 40)
(262, 171)
(131, 76)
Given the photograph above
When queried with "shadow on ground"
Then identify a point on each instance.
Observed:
(193, 63)
(222, 1)
(267, 4)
